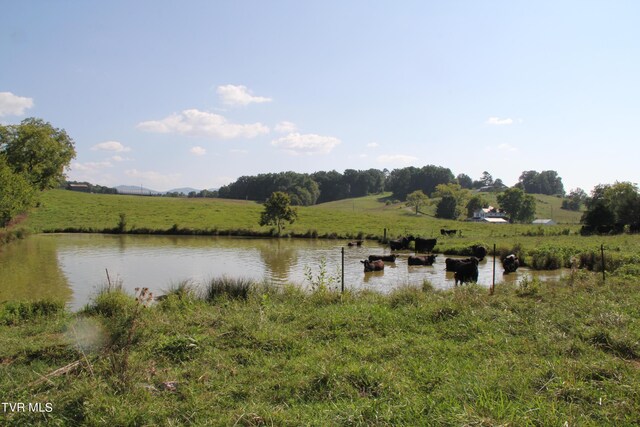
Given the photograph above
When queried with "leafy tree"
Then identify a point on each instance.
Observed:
(417, 199)
(598, 215)
(574, 200)
(545, 182)
(474, 204)
(407, 180)
(611, 205)
(485, 180)
(16, 193)
(521, 207)
(452, 196)
(447, 208)
(277, 211)
(37, 150)
(464, 181)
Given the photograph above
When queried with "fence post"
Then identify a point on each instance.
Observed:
(493, 282)
(602, 257)
(342, 279)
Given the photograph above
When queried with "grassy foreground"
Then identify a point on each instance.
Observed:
(550, 354)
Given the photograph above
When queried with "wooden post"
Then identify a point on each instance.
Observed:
(493, 282)
(108, 278)
(342, 279)
(602, 256)
(385, 236)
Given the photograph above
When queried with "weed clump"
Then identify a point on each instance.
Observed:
(21, 311)
(226, 287)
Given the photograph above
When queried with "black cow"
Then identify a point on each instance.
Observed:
(355, 243)
(387, 258)
(425, 245)
(510, 263)
(467, 271)
(448, 232)
(422, 260)
(401, 243)
(451, 264)
(479, 251)
(373, 265)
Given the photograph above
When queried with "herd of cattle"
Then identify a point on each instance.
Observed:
(465, 270)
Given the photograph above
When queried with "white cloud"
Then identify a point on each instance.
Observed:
(239, 96)
(153, 179)
(507, 147)
(13, 105)
(198, 151)
(286, 127)
(308, 144)
(399, 159)
(117, 158)
(89, 166)
(373, 145)
(201, 123)
(111, 146)
(498, 121)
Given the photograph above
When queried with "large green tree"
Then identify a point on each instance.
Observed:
(520, 206)
(613, 204)
(278, 211)
(37, 150)
(16, 194)
(452, 197)
(417, 199)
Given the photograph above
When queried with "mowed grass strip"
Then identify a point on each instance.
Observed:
(540, 354)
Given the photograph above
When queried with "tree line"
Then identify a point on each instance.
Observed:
(34, 155)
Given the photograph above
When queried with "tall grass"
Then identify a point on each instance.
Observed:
(227, 287)
(534, 353)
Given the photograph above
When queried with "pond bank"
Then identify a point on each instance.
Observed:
(535, 354)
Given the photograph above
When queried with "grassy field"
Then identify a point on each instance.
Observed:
(552, 354)
(60, 210)
(542, 247)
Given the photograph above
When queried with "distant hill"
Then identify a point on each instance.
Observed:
(132, 189)
(183, 190)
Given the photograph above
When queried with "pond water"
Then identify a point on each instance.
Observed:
(73, 267)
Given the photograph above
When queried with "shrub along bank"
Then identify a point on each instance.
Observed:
(246, 354)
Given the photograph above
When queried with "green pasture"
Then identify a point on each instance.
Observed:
(532, 354)
(366, 217)
(61, 210)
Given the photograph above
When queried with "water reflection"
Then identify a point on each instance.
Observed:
(29, 270)
(73, 267)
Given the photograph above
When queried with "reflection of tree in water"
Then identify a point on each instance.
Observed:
(278, 257)
(29, 270)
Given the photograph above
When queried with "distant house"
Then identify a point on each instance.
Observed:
(491, 215)
(79, 187)
(544, 222)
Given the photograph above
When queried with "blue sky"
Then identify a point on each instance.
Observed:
(197, 93)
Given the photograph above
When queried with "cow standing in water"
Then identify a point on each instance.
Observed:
(373, 265)
(422, 260)
(425, 245)
(387, 258)
(452, 264)
(510, 263)
(401, 243)
(467, 271)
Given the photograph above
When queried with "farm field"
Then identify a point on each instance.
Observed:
(365, 217)
(560, 352)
